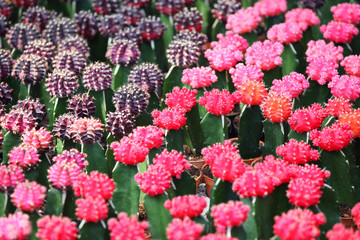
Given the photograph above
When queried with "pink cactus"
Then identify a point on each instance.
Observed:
(199, 77)
(25, 157)
(218, 102)
(94, 185)
(321, 69)
(86, 130)
(91, 209)
(265, 55)
(28, 196)
(18, 121)
(181, 98)
(156, 180)
(345, 86)
(56, 228)
(339, 32)
(230, 214)
(351, 65)
(307, 119)
(231, 40)
(277, 170)
(253, 183)
(320, 48)
(223, 58)
(39, 139)
(250, 92)
(224, 160)
(173, 162)
(337, 106)
(346, 12)
(169, 118)
(217, 236)
(285, 33)
(63, 174)
(352, 118)
(340, 232)
(243, 21)
(186, 206)
(303, 192)
(291, 85)
(242, 73)
(10, 176)
(126, 227)
(276, 107)
(312, 172)
(355, 211)
(15, 226)
(150, 136)
(129, 151)
(72, 155)
(303, 17)
(297, 152)
(298, 224)
(183, 229)
(270, 8)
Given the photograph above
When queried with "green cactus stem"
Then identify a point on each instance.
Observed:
(316, 93)
(175, 140)
(57, 107)
(95, 157)
(147, 50)
(92, 231)
(55, 200)
(158, 216)
(172, 79)
(250, 223)
(217, 27)
(250, 130)
(10, 141)
(212, 128)
(271, 75)
(353, 170)
(40, 173)
(120, 76)
(194, 129)
(274, 137)
(250, 37)
(103, 103)
(126, 194)
(169, 32)
(290, 61)
(185, 185)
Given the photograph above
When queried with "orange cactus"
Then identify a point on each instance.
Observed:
(276, 107)
(251, 92)
(352, 118)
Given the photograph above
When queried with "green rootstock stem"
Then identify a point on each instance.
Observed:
(120, 76)
(34, 217)
(175, 140)
(103, 103)
(10, 141)
(289, 59)
(172, 79)
(217, 27)
(298, 136)
(126, 195)
(158, 216)
(92, 231)
(212, 128)
(169, 32)
(250, 130)
(353, 169)
(95, 157)
(185, 185)
(55, 200)
(40, 173)
(194, 128)
(147, 52)
(274, 137)
(250, 223)
(58, 107)
(339, 179)
(271, 75)
(316, 93)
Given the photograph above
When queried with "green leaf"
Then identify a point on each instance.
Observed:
(250, 130)
(158, 216)
(96, 158)
(10, 141)
(54, 205)
(92, 231)
(126, 194)
(274, 137)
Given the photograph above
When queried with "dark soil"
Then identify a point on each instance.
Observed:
(345, 211)
(194, 172)
(207, 171)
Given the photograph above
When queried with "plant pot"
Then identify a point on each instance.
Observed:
(252, 161)
(208, 178)
(348, 222)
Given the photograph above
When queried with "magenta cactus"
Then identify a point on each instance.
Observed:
(129, 151)
(150, 136)
(62, 125)
(70, 60)
(276, 169)
(28, 196)
(297, 152)
(243, 21)
(156, 180)
(74, 43)
(218, 102)
(285, 33)
(10, 177)
(38, 139)
(91, 209)
(346, 13)
(199, 77)
(18, 225)
(303, 192)
(72, 155)
(337, 106)
(339, 32)
(24, 156)
(54, 227)
(305, 18)
(351, 65)
(42, 48)
(125, 227)
(320, 48)
(186, 206)
(345, 87)
(270, 8)
(181, 98)
(86, 130)
(183, 229)
(63, 175)
(169, 118)
(173, 162)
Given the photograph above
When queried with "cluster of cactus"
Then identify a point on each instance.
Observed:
(99, 99)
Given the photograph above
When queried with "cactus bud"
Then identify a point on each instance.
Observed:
(181, 98)
(183, 53)
(86, 130)
(30, 69)
(150, 136)
(151, 28)
(337, 106)
(169, 118)
(188, 20)
(320, 48)
(250, 92)
(74, 43)
(24, 156)
(81, 105)
(303, 192)
(42, 48)
(345, 86)
(351, 64)
(305, 18)
(285, 33)
(6, 64)
(224, 8)
(70, 60)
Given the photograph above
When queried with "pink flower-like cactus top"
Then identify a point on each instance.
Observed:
(56, 228)
(337, 106)
(63, 174)
(312, 172)
(243, 21)
(91, 209)
(186, 206)
(156, 180)
(285, 33)
(183, 229)
(242, 73)
(270, 8)
(199, 77)
(355, 212)
(218, 102)
(169, 118)
(291, 85)
(345, 86)
(303, 192)
(10, 176)
(231, 40)
(339, 32)
(303, 17)
(126, 227)
(223, 58)
(15, 226)
(129, 151)
(28, 196)
(351, 65)
(181, 98)
(174, 162)
(346, 12)
(321, 69)
(150, 136)
(340, 232)
(24, 157)
(39, 139)
(320, 48)
(297, 152)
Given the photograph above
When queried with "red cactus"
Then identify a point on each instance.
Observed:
(173, 162)
(337, 106)
(199, 77)
(10, 176)
(28, 196)
(38, 139)
(312, 172)
(243, 21)
(150, 136)
(332, 138)
(297, 152)
(298, 224)
(63, 175)
(276, 107)
(285, 33)
(230, 214)
(186, 206)
(218, 102)
(224, 160)
(126, 227)
(169, 118)
(156, 180)
(307, 119)
(129, 151)
(94, 185)
(56, 228)
(270, 8)
(345, 86)
(339, 32)
(340, 232)
(355, 211)
(91, 209)
(181, 98)
(346, 12)
(183, 229)
(250, 92)
(24, 156)
(352, 118)
(351, 65)
(303, 192)
(303, 17)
